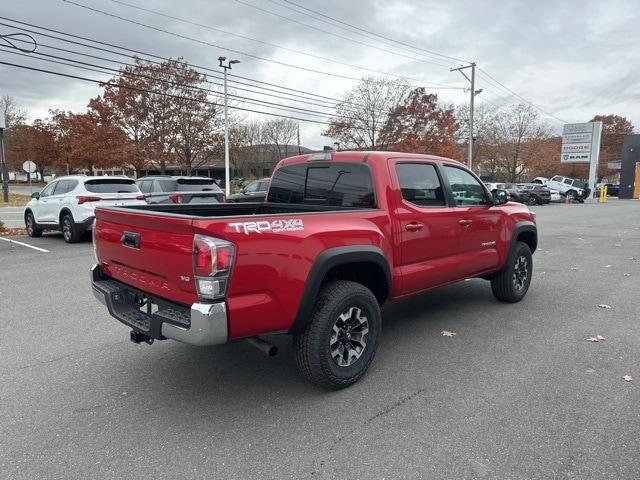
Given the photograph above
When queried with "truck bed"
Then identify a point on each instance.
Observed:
(234, 209)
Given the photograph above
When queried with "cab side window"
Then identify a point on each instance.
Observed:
(465, 188)
(420, 185)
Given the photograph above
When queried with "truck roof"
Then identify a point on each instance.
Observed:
(360, 156)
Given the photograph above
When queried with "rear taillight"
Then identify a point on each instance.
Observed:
(87, 198)
(176, 198)
(212, 262)
(140, 197)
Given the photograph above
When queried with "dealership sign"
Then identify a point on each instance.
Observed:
(580, 142)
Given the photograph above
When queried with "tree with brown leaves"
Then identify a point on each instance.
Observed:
(362, 115)
(419, 124)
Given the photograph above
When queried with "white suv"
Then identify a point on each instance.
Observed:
(68, 203)
(570, 187)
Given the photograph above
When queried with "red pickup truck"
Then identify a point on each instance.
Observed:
(339, 235)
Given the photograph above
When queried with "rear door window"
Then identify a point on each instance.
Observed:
(335, 184)
(61, 188)
(197, 185)
(165, 185)
(111, 185)
(65, 186)
(420, 184)
(145, 186)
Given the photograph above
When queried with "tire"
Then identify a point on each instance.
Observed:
(70, 232)
(532, 201)
(30, 226)
(512, 282)
(572, 195)
(342, 308)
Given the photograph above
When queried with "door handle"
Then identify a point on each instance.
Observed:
(413, 227)
(465, 222)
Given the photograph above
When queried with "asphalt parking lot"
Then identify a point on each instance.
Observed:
(517, 393)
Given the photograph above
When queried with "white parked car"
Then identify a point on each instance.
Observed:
(555, 196)
(540, 180)
(570, 187)
(67, 204)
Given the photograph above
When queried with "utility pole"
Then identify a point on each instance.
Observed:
(3, 161)
(474, 92)
(227, 179)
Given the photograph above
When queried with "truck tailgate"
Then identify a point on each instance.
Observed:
(150, 252)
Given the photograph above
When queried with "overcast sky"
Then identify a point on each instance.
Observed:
(573, 61)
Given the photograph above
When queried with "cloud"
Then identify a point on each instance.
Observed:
(571, 59)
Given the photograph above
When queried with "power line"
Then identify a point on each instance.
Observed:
(139, 52)
(353, 40)
(326, 59)
(204, 42)
(143, 90)
(9, 38)
(324, 114)
(335, 20)
(484, 73)
(251, 101)
(323, 105)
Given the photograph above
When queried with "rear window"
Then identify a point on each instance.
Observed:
(111, 185)
(197, 185)
(335, 184)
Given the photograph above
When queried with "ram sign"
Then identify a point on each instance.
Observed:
(580, 142)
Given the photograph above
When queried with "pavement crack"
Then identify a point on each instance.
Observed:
(388, 409)
(63, 357)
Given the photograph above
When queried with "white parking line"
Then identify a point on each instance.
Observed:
(24, 244)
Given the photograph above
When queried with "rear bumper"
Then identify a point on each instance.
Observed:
(202, 324)
(86, 224)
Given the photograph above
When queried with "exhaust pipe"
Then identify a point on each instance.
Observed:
(264, 346)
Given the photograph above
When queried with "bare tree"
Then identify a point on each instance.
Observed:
(279, 133)
(362, 115)
(514, 129)
(13, 114)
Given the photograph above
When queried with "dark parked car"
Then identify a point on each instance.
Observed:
(174, 189)
(255, 191)
(515, 193)
(538, 194)
(613, 189)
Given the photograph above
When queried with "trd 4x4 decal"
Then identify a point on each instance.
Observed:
(276, 226)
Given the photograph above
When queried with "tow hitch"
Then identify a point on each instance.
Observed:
(137, 337)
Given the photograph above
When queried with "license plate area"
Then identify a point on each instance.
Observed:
(140, 311)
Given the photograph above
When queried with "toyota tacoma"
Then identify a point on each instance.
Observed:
(339, 235)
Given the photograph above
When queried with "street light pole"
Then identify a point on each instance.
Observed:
(227, 175)
(3, 161)
(474, 92)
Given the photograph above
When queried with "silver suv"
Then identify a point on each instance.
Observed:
(570, 187)
(67, 204)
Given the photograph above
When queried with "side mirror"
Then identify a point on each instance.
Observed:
(500, 197)
(35, 195)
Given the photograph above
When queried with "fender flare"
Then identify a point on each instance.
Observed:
(525, 227)
(327, 260)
